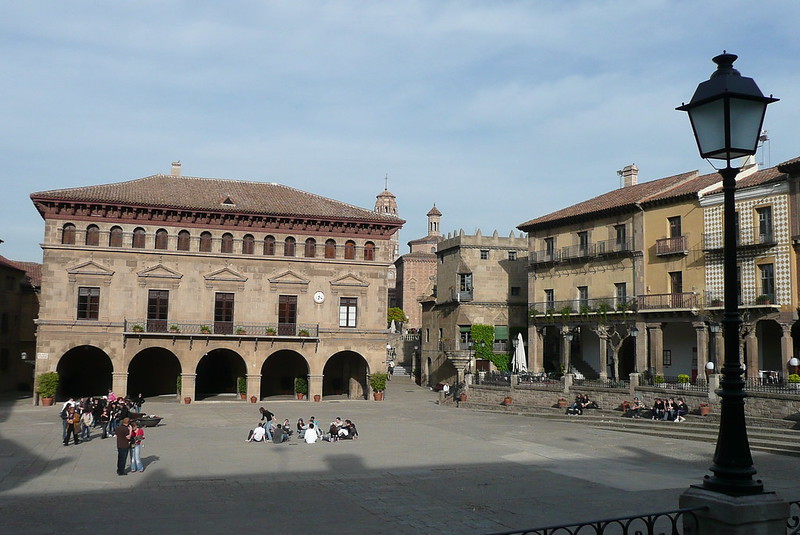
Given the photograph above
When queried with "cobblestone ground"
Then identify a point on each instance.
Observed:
(417, 468)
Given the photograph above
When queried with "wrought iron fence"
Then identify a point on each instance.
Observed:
(758, 384)
(221, 328)
(495, 378)
(539, 381)
(675, 383)
(677, 522)
(602, 383)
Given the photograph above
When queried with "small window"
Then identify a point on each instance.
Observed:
(667, 360)
(184, 240)
(115, 237)
(512, 255)
(68, 234)
(674, 224)
(227, 243)
(269, 245)
(484, 254)
(550, 299)
(161, 239)
(289, 246)
(369, 251)
(88, 303)
(248, 244)
(92, 235)
(515, 290)
(330, 249)
(138, 238)
(205, 242)
(311, 248)
(348, 307)
(349, 250)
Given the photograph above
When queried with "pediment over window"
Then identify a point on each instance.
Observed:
(501, 319)
(349, 284)
(90, 272)
(288, 281)
(159, 274)
(225, 279)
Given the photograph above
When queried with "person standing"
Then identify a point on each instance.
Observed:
(137, 436)
(86, 423)
(138, 402)
(266, 418)
(391, 369)
(73, 421)
(123, 434)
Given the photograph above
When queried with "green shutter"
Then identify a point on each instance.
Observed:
(501, 332)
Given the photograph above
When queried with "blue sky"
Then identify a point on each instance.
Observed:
(497, 111)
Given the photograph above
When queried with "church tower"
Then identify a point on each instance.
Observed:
(386, 203)
(434, 219)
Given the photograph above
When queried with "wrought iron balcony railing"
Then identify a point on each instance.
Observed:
(607, 247)
(672, 246)
(211, 328)
(575, 252)
(603, 305)
(544, 257)
(713, 240)
(685, 300)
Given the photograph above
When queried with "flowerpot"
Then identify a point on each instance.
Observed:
(253, 399)
(562, 403)
(46, 402)
(300, 395)
(507, 400)
(317, 397)
(242, 395)
(704, 410)
(462, 397)
(378, 396)
(187, 400)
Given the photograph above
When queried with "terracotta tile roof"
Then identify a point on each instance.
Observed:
(771, 174)
(617, 199)
(690, 187)
(194, 193)
(32, 270)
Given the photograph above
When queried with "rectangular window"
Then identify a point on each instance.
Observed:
(549, 247)
(88, 303)
(465, 336)
(765, 224)
(620, 235)
(550, 299)
(512, 255)
(287, 315)
(674, 226)
(583, 241)
(767, 275)
(157, 309)
(515, 290)
(583, 296)
(465, 287)
(667, 360)
(621, 290)
(223, 313)
(427, 335)
(348, 307)
(484, 254)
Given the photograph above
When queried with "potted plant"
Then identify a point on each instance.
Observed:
(137, 328)
(716, 302)
(704, 408)
(174, 328)
(241, 387)
(683, 380)
(205, 329)
(253, 399)
(178, 387)
(658, 380)
(46, 387)
(303, 332)
(532, 313)
(270, 331)
(317, 397)
(301, 387)
(377, 381)
(562, 403)
(763, 299)
(240, 330)
(794, 381)
(507, 400)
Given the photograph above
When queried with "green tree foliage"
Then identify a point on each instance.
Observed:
(483, 340)
(396, 314)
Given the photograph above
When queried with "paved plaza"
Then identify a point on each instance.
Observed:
(417, 468)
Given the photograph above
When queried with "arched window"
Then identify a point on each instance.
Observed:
(288, 246)
(184, 239)
(330, 249)
(115, 237)
(369, 251)
(161, 239)
(227, 243)
(92, 235)
(269, 245)
(205, 242)
(311, 248)
(68, 234)
(138, 238)
(349, 250)
(248, 244)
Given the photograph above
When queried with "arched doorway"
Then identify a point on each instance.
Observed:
(345, 373)
(279, 372)
(627, 358)
(551, 349)
(217, 373)
(769, 334)
(84, 371)
(153, 372)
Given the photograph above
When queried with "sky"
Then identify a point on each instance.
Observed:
(496, 111)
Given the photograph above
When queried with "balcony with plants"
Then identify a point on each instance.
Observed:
(141, 327)
(571, 309)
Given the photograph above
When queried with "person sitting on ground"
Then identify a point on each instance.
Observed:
(257, 434)
(333, 433)
(681, 409)
(287, 427)
(301, 427)
(310, 435)
(669, 410)
(636, 408)
(352, 432)
(577, 406)
(658, 409)
(279, 435)
(586, 403)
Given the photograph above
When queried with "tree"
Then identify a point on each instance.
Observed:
(615, 336)
(397, 315)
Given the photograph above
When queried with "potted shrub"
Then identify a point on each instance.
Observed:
(205, 329)
(174, 328)
(704, 408)
(137, 328)
(763, 299)
(658, 380)
(562, 403)
(240, 330)
(178, 387)
(241, 387)
(794, 381)
(46, 387)
(377, 381)
(270, 331)
(532, 313)
(507, 400)
(303, 332)
(683, 380)
(301, 387)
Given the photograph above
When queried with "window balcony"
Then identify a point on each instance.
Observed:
(713, 241)
(461, 296)
(674, 301)
(544, 257)
(582, 307)
(216, 329)
(610, 247)
(672, 246)
(578, 252)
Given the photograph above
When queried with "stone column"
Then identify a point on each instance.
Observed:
(787, 348)
(119, 384)
(719, 350)
(701, 331)
(566, 349)
(315, 386)
(535, 348)
(253, 386)
(603, 337)
(641, 347)
(763, 513)
(188, 386)
(751, 343)
(656, 348)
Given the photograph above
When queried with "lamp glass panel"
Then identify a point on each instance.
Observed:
(746, 119)
(708, 122)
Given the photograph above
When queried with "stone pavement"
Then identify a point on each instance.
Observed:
(417, 468)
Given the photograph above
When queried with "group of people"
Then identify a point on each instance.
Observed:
(80, 416)
(581, 403)
(663, 409)
(269, 429)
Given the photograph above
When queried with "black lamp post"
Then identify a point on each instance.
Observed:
(726, 113)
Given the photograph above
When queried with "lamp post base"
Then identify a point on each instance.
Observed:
(760, 514)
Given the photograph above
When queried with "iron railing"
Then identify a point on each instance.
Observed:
(495, 378)
(601, 383)
(685, 300)
(174, 328)
(601, 305)
(677, 522)
(614, 246)
(713, 240)
(760, 384)
(542, 257)
(670, 246)
(793, 524)
(578, 251)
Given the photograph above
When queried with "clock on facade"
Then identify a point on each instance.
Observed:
(319, 297)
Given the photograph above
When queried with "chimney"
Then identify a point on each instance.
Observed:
(630, 175)
(176, 168)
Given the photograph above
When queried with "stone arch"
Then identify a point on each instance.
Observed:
(217, 372)
(279, 372)
(345, 373)
(153, 371)
(627, 358)
(551, 349)
(84, 371)
(769, 333)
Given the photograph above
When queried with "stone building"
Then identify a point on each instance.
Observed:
(480, 280)
(19, 307)
(386, 204)
(169, 280)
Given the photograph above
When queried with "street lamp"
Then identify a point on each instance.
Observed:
(727, 112)
(794, 362)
